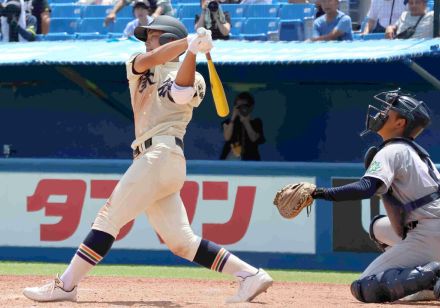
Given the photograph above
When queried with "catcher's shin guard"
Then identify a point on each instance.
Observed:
(395, 283)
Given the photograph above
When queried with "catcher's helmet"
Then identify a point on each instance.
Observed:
(172, 27)
(414, 111)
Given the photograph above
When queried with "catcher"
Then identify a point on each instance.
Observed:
(402, 173)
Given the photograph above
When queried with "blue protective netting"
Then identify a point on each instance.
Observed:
(115, 52)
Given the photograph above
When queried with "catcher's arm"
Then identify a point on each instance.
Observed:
(293, 198)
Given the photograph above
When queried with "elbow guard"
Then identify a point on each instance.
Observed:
(182, 95)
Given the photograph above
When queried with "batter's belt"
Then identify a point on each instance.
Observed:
(147, 143)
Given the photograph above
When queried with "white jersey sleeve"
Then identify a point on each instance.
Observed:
(386, 165)
(165, 93)
(132, 75)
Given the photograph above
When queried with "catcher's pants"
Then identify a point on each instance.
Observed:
(152, 185)
(421, 246)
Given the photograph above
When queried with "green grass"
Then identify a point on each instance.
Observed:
(19, 268)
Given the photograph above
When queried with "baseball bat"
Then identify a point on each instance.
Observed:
(218, 93)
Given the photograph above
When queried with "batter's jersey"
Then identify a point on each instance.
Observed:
(155, 112)
(399, 166)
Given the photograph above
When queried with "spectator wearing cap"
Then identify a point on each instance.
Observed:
(382, 14)
(159, 7)
(17, 25)
(417, 22)
(334, 25)
(142, 12)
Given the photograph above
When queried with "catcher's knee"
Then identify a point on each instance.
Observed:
(378, 243)
(395, 283)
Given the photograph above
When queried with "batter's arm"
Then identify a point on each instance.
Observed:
(160, 55)
(186, 74)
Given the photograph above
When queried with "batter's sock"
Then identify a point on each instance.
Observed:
(94, 248)
(216, 258)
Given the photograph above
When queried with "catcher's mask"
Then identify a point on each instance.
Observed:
(414, 111)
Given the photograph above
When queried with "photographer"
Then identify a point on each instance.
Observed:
(242, 133)
(16, 25)
(417, 22)
(213, 18)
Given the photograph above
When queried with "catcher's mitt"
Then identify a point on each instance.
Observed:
(293, 198)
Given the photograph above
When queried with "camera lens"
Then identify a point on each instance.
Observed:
(213, 6)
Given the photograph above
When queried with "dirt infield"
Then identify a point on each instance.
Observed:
(136, 292)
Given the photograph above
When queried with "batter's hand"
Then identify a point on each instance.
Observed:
(200, 42)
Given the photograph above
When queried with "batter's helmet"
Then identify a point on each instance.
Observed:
(415, 112)
(172, 27)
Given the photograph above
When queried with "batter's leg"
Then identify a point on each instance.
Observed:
(169, 218)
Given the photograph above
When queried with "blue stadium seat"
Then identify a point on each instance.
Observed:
(93, 25)
(261, 10)
(61, 36)
(69, 25)
(189, 24)
(188, 10)
(369, 36)
(66, 11)
(90, 36)
(95, 11)
(291, 30)
(236, 27)
(257, 28)
(62, 1)
(235, 10)
(296, 11)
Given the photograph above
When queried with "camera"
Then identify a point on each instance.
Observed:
(11, 10)
(213, 6)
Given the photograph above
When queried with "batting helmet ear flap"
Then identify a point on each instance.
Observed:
(167, 37)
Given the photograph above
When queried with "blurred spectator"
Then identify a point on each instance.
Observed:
(417, 22)
(142, 12)
(15, 24)
(383, 13)
(41, 10)
(334, 25)
(213, 18)
(319, 10)
(160, 7)
(242, 133)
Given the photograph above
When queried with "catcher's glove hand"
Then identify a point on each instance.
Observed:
(293, 198)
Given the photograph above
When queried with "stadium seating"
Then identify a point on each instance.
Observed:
(90, 36)
(188, 10)
(93, 25)
(234, 10)
(68, 25)
(296, 11)
(261, 11)
(96, 11)
(257, 28)
(236, 27)
(291, 30)
(66, 11)
(189, 24)
(62, 36)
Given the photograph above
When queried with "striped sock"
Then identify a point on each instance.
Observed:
(96, 245)
(88, 255)
(216, 258)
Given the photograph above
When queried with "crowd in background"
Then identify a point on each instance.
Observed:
(21, 20)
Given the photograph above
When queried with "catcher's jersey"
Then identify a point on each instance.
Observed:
(155, 112)
(399, 166)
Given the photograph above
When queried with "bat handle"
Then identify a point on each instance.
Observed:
(208, 56)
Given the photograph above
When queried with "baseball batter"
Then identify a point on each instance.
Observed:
(402, 173)
(163, 95)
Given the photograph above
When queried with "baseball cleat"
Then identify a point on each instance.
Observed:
(51, 292)
(251, 286)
